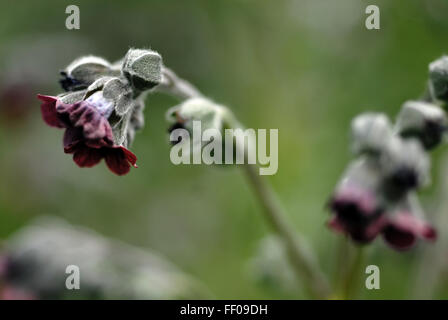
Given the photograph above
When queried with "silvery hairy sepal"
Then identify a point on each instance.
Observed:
(113, 97)
(117, 93)
(423, 121)
(84, 71)
(369, 132)
(143, 68)
(438, 78)
(405, 166)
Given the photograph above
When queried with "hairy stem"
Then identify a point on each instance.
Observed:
(175, 86)
(300, 255)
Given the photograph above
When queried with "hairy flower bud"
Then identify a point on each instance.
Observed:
(83, 72)
(423, 121)
(197, 128)
(405, 166)
(143, 68)
(438, 77)
(356, 203)
(369, 132)
(210, 115)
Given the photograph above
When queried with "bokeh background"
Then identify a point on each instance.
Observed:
(306, 67)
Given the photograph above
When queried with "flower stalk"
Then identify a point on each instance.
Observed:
(301, 257)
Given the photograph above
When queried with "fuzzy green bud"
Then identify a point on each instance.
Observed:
(369, 131)
(143, 68)
(438, 76)
(423, 121)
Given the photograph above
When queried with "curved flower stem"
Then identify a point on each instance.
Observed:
(300, 255)
(351, 278)
(175, 86)
(342, 257)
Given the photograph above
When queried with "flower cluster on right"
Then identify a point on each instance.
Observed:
(377, 194)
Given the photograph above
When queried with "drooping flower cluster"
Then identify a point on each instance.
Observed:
(377, 193)
(102, 107)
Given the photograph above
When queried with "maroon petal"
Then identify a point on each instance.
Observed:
(116, 161)
(361, 233)
(87, 157)
(131, 157)
(72, 139)
(96, 128)
(367, 233)
(48, 109)
(354, 203)
(404, 229)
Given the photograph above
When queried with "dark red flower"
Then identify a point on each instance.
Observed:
(356, 213)
(403, 229)
(88, 135)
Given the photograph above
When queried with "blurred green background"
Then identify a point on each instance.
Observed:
(306, 67)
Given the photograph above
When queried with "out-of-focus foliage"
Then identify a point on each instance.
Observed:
(38, 259)
(306, 67)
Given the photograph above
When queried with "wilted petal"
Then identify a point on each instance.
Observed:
(48, 109)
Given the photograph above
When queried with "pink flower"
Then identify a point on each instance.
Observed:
(88, 135)
(403, 229)
(356, 213)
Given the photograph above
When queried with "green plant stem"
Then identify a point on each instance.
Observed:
(350, 283)
(302, 258)
(432, 261)
(300, 255)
